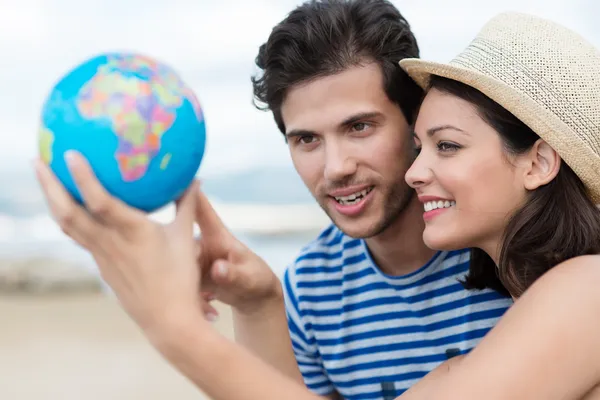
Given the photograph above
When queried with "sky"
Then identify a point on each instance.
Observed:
(212, 44)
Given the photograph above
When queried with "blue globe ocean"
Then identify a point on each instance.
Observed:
(139, 126)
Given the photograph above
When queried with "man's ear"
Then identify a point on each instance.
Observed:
(543, 164)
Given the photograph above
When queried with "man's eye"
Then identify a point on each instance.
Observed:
(306, 139)
(360, 126)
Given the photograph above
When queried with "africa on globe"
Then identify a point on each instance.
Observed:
(137, 123)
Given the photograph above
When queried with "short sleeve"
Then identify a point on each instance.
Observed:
(303, 342)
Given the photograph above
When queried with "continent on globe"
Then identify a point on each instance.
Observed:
(45, 144)
(139, 97)
(165, 161)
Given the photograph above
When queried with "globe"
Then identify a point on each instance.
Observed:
(137, 123)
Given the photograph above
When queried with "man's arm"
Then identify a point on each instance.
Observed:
(275, 332)
(264, 331)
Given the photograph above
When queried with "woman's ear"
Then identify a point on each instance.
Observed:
(543, 165)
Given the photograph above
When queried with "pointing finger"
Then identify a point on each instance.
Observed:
(208, 220)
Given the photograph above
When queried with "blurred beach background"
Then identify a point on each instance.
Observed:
(62, 336)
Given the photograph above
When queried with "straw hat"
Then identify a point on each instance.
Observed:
(544, 74)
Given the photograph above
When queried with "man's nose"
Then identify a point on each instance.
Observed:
(339, 162)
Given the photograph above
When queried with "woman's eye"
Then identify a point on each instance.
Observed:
(447, 146)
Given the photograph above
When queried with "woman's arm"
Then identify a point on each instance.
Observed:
(547, 345)
(222, 369)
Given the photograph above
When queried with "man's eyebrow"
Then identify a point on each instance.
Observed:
(359, 117)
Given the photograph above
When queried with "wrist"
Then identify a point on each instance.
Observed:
(272, 300)
(194, 348)
(170, 333)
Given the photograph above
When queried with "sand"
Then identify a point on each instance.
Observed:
(83, 346)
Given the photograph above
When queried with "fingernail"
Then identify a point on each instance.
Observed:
(209, 296)
(212, 317)
(70, 157)
(222, 269)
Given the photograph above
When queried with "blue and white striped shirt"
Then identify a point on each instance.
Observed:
(367, 335)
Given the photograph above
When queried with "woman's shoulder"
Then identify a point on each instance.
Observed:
(589, 260)
(574, 282)
(584, 269)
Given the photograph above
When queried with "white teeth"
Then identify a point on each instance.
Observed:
(353, 198)
(432, 205)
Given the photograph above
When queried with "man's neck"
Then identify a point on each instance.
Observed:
(400, 250)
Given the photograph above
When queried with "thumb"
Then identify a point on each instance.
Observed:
(223, 272)
(234, 270)
(185, 209)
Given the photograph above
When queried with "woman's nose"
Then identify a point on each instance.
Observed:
(419, 174)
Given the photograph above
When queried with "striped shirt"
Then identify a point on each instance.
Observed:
(367, 335)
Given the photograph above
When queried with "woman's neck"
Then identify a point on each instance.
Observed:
(492, 247)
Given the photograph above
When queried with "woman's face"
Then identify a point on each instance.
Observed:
(468, 184)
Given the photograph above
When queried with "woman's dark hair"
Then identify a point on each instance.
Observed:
(322, 38)
(559, 220)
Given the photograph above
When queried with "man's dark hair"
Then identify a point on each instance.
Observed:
(559, 221)
(322, 38)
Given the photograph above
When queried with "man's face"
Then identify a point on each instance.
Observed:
(351, 146)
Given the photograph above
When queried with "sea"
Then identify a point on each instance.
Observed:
(267, 208)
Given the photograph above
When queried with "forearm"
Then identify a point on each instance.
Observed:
(265, 332)
(425, 388)
(224, 370)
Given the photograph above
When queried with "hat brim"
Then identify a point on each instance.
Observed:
(421, 71)
(581, 158)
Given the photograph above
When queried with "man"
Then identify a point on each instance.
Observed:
(371, 309)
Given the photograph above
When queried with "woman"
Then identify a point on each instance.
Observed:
(526, 200)
(508, 141)
(509, 164)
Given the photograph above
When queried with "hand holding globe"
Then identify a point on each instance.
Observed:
(122, 136)
(134, 120)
